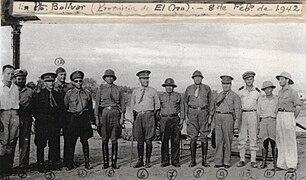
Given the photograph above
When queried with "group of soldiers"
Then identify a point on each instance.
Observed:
(68, 107)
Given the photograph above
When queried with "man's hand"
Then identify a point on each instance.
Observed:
(121, 121)
(236, 130)
(1, 127)
(210, 120)
(181, 123)
(97, 122)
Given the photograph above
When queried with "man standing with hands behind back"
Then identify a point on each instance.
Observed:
(288, 110)
(249, 122)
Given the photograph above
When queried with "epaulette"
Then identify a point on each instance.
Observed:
(240, 88)
(258, 90)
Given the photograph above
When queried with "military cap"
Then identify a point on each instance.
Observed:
(248, 74)
(20, 72)
(285, 75)
(197, 73)
(48, 76)
(109, 72)
(169, 82)
(76, 75)
(267, 84)
(143, 74)
(226, 79)
(60, 70)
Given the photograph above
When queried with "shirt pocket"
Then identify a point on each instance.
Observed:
(73, 103)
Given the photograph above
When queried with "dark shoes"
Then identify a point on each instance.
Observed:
(164, 164)
(254, 165)
(192, 164)
(205, 164)
(176, 165)
(291, 170)
(218, 166)
(241, 164)
(139, 164)
(227, 166)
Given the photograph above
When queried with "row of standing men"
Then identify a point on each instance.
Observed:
(63, 106)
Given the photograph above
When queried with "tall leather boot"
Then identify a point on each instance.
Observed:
(140, 149)
(274, 156)
(5, 168)
(264, 158)
(114, 155)
(105, 155)
(86, 155)
(148, 154)
(204, 154)
(193, 150)
(40, 160)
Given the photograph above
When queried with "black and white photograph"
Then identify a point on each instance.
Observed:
(152, 100)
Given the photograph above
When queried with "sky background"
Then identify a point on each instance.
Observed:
(168, 49)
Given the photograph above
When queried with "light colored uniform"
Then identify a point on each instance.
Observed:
(249, 122)
(267, 110)
(9, 104)
(144, 102)
(286, 128)
(226, 115)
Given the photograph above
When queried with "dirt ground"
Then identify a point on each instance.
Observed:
(158, 172)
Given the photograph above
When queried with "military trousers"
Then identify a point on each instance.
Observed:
(224, 128)
(169, 129)
(24, 138)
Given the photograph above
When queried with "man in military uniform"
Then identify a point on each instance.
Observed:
(109, 113)
(227, 114)
(46, 109)
(288, 110)
(267, 111)
(145, 104)
(172, 116)
(25, 116)
(249, 122)
(78, 102)
(9, 118)
(198, 111)
(62, 87)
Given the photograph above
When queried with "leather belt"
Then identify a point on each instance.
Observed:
(169, 115)
(145, 112)
(283, 110)
(269, 117)
(111, 107)
(198, 108)
(252, 110)
(219, 112)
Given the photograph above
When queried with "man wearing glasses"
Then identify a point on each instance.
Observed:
(78, 102)
(109, 113)
(144, 103)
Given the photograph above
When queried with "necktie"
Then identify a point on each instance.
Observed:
(111, 94)
(196, 93)
(221, 99)
(142, 94)
(52, 100)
